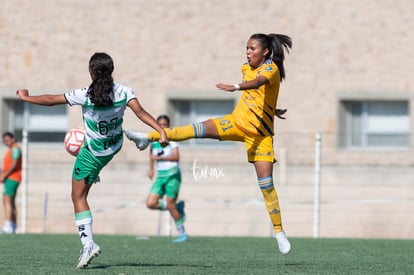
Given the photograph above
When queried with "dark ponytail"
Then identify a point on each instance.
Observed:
(100, 91)
(277, 44)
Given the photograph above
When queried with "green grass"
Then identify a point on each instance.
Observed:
(58, 254)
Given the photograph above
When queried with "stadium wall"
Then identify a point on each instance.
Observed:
(342, 49)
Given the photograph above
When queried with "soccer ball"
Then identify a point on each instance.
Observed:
(74, 140)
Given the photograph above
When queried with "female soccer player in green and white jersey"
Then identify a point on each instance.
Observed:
(168, 181)
(103, 105)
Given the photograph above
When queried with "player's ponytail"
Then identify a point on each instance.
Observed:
(100, 91)
(277, 44)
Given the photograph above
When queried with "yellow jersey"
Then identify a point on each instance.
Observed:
(255, 111)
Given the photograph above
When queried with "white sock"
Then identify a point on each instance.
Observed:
(163, 204)
(85, 230)
(180, 227)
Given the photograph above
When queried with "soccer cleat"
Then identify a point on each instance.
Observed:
(181, 239)
(180, 208)
(6, 230)
(141, 140)
(283, 243)
(88, 252)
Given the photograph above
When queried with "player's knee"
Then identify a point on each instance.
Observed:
(152, 204)
(77, 198)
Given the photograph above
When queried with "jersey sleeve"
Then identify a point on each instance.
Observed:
(77, 96)
(16, 153)
(130, 94)
(270, 71)
(244, 68)
(173, 144)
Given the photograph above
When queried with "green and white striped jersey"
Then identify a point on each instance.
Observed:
(103, 125)
(166, 151)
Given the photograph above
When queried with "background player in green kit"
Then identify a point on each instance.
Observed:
(103, 104)
(11, 175)
(168, 181)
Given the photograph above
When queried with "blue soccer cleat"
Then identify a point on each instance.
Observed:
(181, 239)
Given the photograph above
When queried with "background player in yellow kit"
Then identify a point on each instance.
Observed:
(252, 120)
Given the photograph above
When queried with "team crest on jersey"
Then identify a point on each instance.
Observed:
(268, 69)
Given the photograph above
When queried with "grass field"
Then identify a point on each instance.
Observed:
(58, 254)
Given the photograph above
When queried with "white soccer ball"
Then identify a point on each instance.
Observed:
(74, 140)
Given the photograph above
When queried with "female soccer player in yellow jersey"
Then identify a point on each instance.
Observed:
(250, 122)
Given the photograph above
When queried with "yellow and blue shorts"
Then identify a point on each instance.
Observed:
(259, 148)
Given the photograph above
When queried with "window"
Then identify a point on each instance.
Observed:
(374, 124)
(189, 111)
(44, 124)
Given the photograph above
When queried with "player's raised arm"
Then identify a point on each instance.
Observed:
(252, 84)
(145, 117)
(46, 99)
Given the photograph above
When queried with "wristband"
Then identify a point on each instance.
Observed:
(236, 86)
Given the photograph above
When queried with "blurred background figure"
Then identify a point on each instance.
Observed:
(168, 181)
(11, 175)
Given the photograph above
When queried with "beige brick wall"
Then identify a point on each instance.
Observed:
(340, 48)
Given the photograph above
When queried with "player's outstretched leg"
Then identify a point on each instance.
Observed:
(141, 139)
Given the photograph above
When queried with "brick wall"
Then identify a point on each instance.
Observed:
(340, 48)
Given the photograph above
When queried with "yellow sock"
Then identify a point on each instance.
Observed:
(195, 130)
(271, 202)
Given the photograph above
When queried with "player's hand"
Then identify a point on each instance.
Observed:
(151, 174)
(163, 138)
(225, 87)
(280, 112)
(152, 157)
(22, 93)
